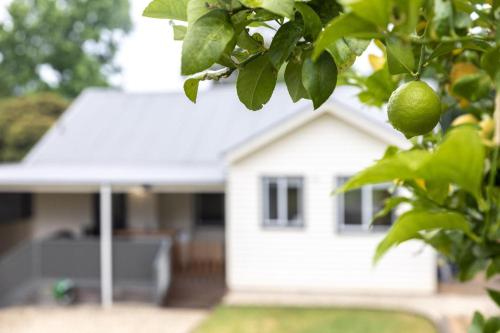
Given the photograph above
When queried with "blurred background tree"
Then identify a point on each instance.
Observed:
(23, 120)
(63, 46)
(50, 50)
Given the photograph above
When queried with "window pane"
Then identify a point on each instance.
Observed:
(293, 203)
(352, 208)
(273, 200)
(209, 209)
(14, 206)
(379, 196)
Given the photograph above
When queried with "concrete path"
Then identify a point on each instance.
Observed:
(450, 312)
(127, 318)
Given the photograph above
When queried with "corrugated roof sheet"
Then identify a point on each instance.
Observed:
(108, 127)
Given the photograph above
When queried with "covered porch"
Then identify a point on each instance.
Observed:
(182, 205)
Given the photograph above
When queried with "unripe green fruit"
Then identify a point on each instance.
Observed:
(414, 109)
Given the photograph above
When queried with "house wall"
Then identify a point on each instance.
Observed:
(14, 233)
(60, 211)
(142, 210)
(316, 257)
(175, 211)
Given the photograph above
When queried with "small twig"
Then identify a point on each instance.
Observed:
(418, 40)
(422, 55)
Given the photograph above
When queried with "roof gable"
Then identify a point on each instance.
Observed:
(375, 128)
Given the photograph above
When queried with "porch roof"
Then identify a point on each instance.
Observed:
(31, 177)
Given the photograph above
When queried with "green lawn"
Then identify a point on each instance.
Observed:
(311, 320)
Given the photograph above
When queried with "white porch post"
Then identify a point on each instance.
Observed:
(106, 246)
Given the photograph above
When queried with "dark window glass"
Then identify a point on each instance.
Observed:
(293, 202)
(379, 196)
(273, 200)
(15, 206)
(353, 208)
(209, 209)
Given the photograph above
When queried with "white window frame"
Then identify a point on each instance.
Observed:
(367, 212)
(282, 183)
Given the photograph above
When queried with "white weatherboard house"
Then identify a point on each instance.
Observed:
(257, 183)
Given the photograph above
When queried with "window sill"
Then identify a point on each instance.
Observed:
(367, 233)
(282, 227)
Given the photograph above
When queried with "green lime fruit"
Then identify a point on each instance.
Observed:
(414, 109)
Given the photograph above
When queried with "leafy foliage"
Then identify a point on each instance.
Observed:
(60, 45)
(23, 121)
(450, 174)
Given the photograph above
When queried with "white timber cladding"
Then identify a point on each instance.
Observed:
(316, 257)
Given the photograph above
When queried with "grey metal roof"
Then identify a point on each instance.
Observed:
(109, 127)
(160, 138)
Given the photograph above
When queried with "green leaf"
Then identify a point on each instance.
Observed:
(280, 7)
(459, 159)
(344, 57)
(473, 87)
(249, 43)
(409, 15)
(378, 87)
(400, 56)
(319, 78)
(205, 41)
(389, 205)
(442, 49)
(293, 79)
(312, 22)
(490, 62)
(179, 32)
(326, 9)
(494, 295)
(191, 89)
(477, 324)
(375, 11)
(284, 42)
(492, 325)
(256, 82)
(167, 9)
(198, 8)
(347, 25)
(437, 190)
(403, 165)
(410, 224)
(358, 46)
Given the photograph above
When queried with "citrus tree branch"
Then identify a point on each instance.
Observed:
(496, 116)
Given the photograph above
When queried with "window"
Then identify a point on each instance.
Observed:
(356, 208)
(209, 209)
(283, 201)
(15, 206)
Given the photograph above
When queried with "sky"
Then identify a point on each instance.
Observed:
(150, 58)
